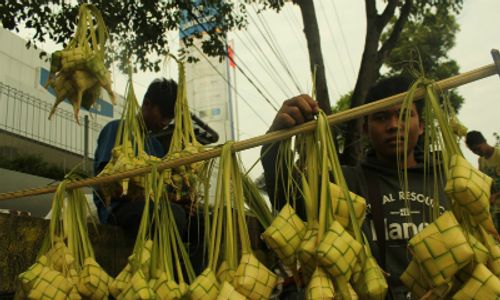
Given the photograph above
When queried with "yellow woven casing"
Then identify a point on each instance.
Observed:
(493, 262)
(137, 288)
(165, 289)
(145, 257)
(442, 249)
(470, 188)
(228, 292)
(94, 280)
(51, 285)
(338, 252)
(481, 253)
(59, 257)
(307, 252)
(73, 59)
(205, 285)
(117, 285)
(224, 273)
(413, 279)
(481, 285)
(28, 277)
(340, 207)
(284, 235)
(320, 286)
(371, 283)
(343, 289)
(252, 279)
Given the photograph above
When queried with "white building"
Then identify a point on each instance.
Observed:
(25, 105)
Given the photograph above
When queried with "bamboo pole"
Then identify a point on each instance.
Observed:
(337, 118)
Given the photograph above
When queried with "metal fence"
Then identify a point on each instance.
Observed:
(27, 116)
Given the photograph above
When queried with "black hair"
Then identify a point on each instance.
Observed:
(389, 86)
(474, 138)
(163, 93)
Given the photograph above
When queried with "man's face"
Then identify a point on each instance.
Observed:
(153, 118)
(479, 149)
(382, 130)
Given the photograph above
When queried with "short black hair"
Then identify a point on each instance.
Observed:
(163, 93)
(474, 138)
(389, 86)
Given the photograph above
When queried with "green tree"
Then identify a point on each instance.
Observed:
(387, 41)
(137, 28)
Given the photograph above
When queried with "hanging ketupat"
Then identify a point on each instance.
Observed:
(78, 71)
(183, 180)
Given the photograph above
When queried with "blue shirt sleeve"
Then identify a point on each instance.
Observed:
(105, 144)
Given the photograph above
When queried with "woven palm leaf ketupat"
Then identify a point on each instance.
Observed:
(338, 251)
(128, 152)
(320, 286)
(166, 289)
(79, 69)
(228, 292)
(307, 251)
(118, 284)
(28, 277)
(205, 285)
(93, 283)
(413, 279)
(66, 268)
(51, 285)
(137, 288)
(371, 283)
(481, 285)
(442, 249)
(341, 209)
(284, 235)
(183, 179)
(471, 189)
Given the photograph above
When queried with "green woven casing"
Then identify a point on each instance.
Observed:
(338, 252)
(284, 235)
(442, 249)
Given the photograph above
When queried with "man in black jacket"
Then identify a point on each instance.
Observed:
(395, 214)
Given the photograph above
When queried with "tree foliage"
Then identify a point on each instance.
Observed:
(138, 29)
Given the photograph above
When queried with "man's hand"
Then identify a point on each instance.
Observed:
(295, 111)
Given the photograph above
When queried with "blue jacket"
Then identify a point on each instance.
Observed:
(105, 144)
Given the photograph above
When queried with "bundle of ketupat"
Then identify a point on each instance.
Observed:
(284, 234)
(183, 180)
(339, 252)
(159, 257)
(238, 270)
(65, 267)
(78, 72)
(128, 152)
(448, 255)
